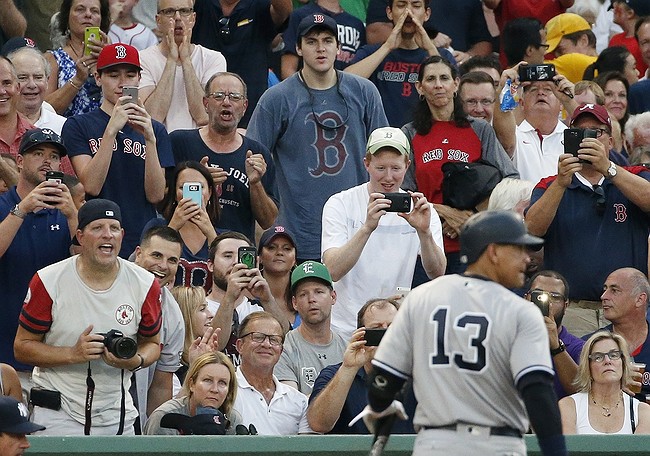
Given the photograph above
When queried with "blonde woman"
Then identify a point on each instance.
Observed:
(197, 318)
(600, 406)
(210, 382)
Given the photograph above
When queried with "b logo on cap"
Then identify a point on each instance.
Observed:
(279, 229)
(319, 18)
(120, 52)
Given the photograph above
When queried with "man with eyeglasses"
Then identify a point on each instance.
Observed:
(315, 123)
(539, 137)
(175, 71)
(38, 220)
(549, 291)
(244, 31)
(625, 296)
(242, 167)
(593, 216)
(273, 407)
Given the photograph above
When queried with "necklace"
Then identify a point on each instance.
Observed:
(607, 410)
(73, 49)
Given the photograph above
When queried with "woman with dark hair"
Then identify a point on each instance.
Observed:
(601, 406)
(616, 58)
(616, 87)
(71, 86)
(196, 224)
(441, 132)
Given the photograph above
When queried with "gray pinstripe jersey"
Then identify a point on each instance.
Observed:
(466, 342)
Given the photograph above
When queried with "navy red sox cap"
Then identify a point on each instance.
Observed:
(322, 21)
(36, 136)
(493, 227)
(118, 54)
(97, 209)
(272, 233)
(640, 7)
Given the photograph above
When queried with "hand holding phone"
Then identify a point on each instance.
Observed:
(573, 137)
(399, 202)
(373, 336)
(542, 300)
(193, 191)
(91, 33)
(54, 176)
(543, 72)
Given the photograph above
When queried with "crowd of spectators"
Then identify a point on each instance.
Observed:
(146, 148)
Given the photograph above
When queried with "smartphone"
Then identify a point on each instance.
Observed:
(130, 92)
(247, 256)
(91, 33)
(399, 202)
(374, 336)
(193, 191)
(54, 176)
(543, 72)
(573, 137)
(542, 300)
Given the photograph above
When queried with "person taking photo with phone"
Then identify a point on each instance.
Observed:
(591, 206)
(379, 223)
(118, 151)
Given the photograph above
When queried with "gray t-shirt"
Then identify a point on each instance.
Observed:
(302, 361)
(314, 162)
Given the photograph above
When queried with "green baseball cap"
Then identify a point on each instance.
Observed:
(310, 270)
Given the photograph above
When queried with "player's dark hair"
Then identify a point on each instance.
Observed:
(169, 203)
(480, 61)
(64, 16)
(162, 231)
(517, 35)
(227, 235)
(610, 59)
(221, 74)
(256, 316)
(552, 275)
(422, 118)
(378, 303)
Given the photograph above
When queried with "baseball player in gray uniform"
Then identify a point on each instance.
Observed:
(478, 354)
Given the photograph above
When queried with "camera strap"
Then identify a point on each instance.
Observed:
(90, 393)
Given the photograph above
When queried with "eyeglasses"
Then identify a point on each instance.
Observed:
(232, 96)
(599, 357)
(171, 12)
(327, 116)
(259, 338)
(555, 297)
(485, 102)
(600, 199)
(600, 131)
(545, 46)
(224, 30)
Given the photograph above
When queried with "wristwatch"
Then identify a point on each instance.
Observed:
(559, 349)
(141, 365)
(612, 170)
(18, 213)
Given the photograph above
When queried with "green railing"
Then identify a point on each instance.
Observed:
(327, 445)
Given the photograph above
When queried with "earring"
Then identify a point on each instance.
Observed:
(455, 94)
(421, 97)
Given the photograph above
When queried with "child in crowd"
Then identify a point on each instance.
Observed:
(125, 29)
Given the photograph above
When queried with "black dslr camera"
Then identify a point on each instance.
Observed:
(119, 345)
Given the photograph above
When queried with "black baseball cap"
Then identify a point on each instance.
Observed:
(36, 136)
(14, 417)
(317, 20)
(97, 209)
(272, 233)
(16, 43)
(207, 421)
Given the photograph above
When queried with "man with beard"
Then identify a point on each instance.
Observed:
(312, 345)
(237, 291)
(550, 289)
(243, 167)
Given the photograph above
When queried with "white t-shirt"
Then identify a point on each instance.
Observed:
(138, 36)
(535, 159)
(286, 414)
(206, 63)
(387, 261)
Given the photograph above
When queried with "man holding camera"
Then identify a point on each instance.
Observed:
(86, 322)
(593, 216)
(377, 223)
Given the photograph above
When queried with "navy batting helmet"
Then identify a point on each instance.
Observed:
(493, 227)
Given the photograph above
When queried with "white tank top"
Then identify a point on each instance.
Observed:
(583, 426)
